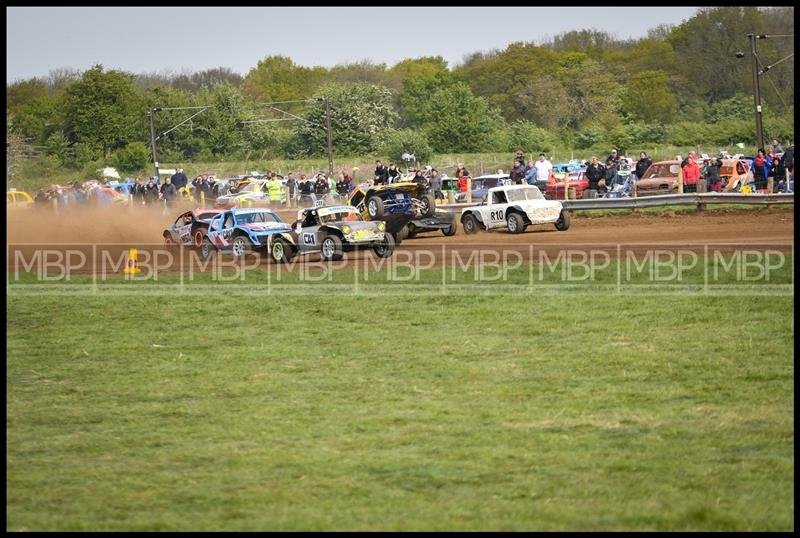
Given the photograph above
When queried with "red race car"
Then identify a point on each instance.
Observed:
(577, 180)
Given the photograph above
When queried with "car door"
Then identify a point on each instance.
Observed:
(308, 236)
(183, 231)
(496, 211)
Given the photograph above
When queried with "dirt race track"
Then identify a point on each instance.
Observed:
(109, 233)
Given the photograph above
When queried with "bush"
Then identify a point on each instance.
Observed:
(396, 143)
(526, 135)
(131, 158)
(647, 133)
(589, 136)
(687, 133)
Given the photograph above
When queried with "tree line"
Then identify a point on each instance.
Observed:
(680, 85)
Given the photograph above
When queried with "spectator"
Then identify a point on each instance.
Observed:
(419, 177)
(642, 165)
(520, 155)
(137, 191)
(321, 186)
(197, 183)
(179, 179)
(292, 184)
(712, 175)
(517, 173)
(613, 157)
(594, 173)
(760, 170)
(776, 146)
(168, 192)
(543, 169)
(274, 189)
(461, 171)
(436, 184)
(530, 173)
(381, 174)
(344, 186)
(691, 173)
(306, 188)
(393, 173)
(41, 197)
(609, 176)
(787, 161)
(150, 192)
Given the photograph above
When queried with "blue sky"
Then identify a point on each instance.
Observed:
(183, 39)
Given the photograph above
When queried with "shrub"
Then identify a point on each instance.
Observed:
(526, 135)
(131, 158)
(396, 143)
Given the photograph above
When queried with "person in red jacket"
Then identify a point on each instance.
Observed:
(691, 173)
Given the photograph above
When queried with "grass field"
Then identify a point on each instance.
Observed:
(496, 412)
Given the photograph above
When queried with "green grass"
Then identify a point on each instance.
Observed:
(498, 412)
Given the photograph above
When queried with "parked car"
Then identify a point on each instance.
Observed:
(482, 184)
(577, 180)
(241, 231)
(18, 199)
(735, 174)
(331, 231)
(514, 207)
(254, 193)
(189, 228)
(660, 178)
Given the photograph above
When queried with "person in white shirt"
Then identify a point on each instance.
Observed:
(543, 168)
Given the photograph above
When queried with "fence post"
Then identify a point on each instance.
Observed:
(680, 179)
(469, 190)
(203, 199)
(451, 197)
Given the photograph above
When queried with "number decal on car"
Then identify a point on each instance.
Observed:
(496, 215)
(227, 234)
(308, 239)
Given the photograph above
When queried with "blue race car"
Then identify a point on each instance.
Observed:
(241, 231)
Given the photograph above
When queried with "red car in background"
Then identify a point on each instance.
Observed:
(577, 180)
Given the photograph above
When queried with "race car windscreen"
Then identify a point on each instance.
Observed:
(339, 216)
(256, 217)
(530, 193)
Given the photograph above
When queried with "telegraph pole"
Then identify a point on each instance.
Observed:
(330, 137)
(152, 114)
(756, 91)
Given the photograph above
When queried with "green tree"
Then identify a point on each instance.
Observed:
(396, 143)
(648, 97)
(360, 114)
(103, 108)
(132, 158)
(277, 78)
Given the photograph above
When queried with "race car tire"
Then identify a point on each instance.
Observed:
(241, 245)
(331, 248)
(515, 222)
(428, 203)
(281, 251)
(470, 223)
(385, 248)
(398, 237)
(451, 231)
(563, 222)
(169, 244)
(198, 238)
(207, 249)
(375, 207)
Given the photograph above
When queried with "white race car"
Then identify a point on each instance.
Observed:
(514, 207)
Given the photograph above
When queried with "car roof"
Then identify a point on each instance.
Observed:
(512, 188)
(492, 176)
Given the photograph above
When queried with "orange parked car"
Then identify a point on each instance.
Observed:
(735, 174)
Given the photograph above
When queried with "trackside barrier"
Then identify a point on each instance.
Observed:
(664, 200)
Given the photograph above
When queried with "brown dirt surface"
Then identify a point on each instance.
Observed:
(143, 227)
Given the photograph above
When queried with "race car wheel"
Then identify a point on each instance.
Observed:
(450, 231)
(169, 244)
(562, 224)
(427, 205)
(207, 249)
(385, 248)
(331, 248)
(515, 223)
(198, 238)
(470, 223)
(281, 251)
(375, 207)
(241, 246)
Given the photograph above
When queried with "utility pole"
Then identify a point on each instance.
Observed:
(330, 137)
(152, 114)
(756, 91)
